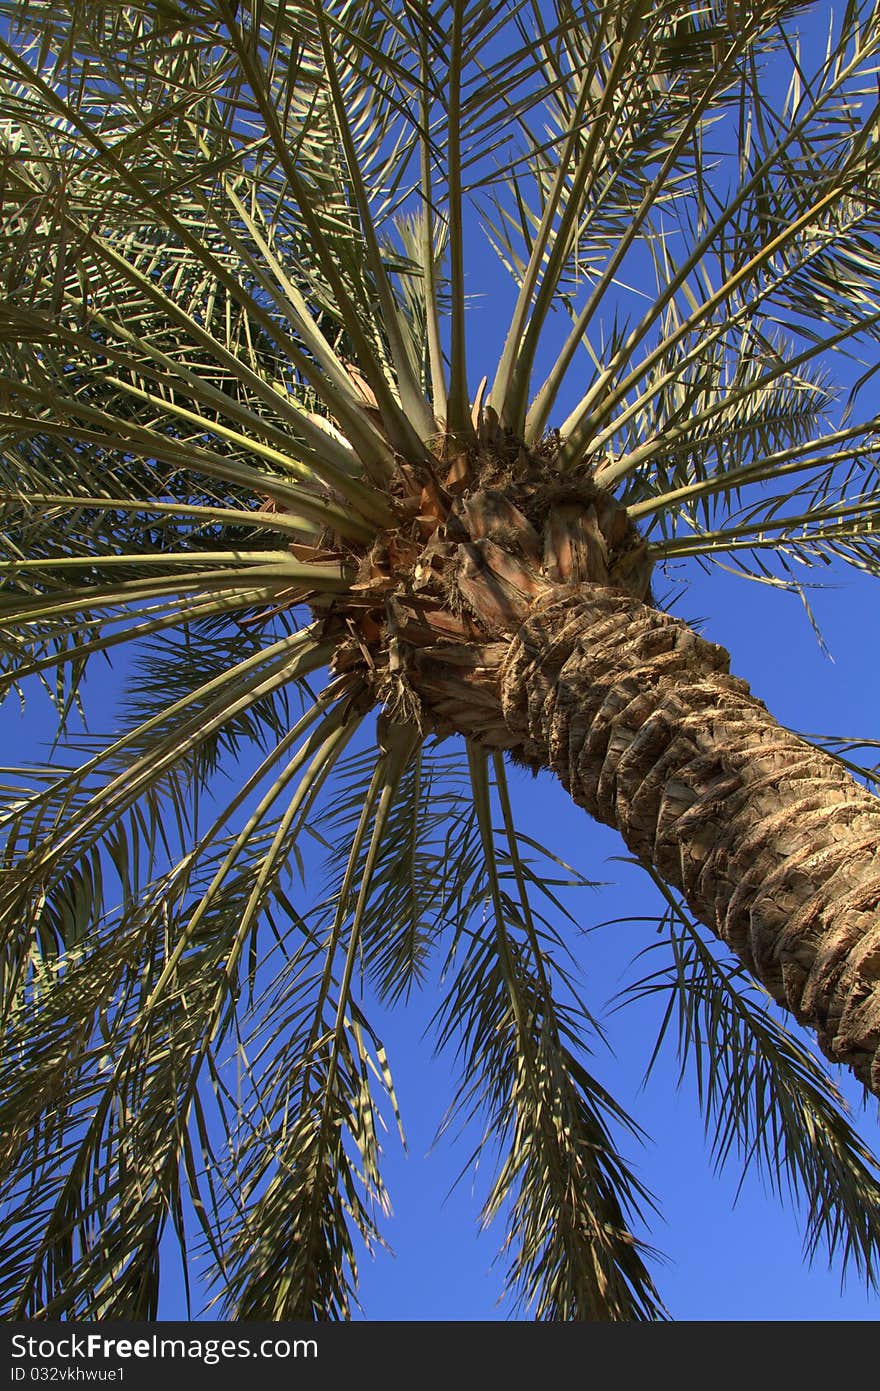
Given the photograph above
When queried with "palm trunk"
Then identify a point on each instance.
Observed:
(773, 845)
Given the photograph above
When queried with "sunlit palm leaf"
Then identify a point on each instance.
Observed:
(235, 351)
(767, 1102)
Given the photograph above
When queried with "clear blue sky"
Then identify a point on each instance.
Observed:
(723, 1261)
(728, 1256)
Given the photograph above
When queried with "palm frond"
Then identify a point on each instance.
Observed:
(237, 377)
(567, 1195)
(766, 1100)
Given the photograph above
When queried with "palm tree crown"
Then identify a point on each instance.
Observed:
(247, 439)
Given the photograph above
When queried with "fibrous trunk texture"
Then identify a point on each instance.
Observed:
(771, 842)
(517, 616)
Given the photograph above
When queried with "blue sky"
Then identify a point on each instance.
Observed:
(728, 1256)
(725, 1259)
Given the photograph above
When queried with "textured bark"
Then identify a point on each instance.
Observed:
(772, 844)
(521, 623)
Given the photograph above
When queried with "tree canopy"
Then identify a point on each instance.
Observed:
(239, 396)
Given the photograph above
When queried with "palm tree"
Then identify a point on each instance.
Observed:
(246, 441)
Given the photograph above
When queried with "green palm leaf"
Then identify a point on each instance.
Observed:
(765, 1099)
(250, 454)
